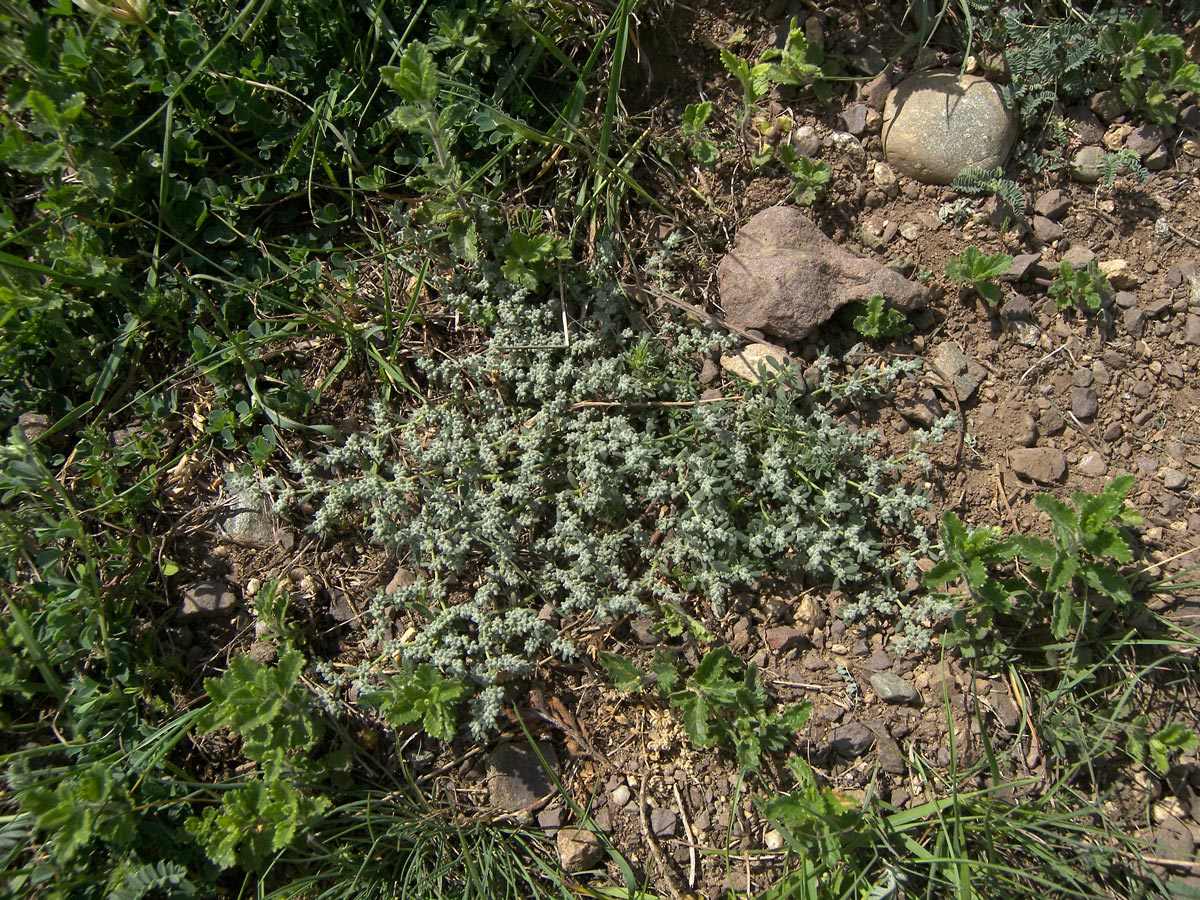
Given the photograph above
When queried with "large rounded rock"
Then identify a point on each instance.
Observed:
(935, 124)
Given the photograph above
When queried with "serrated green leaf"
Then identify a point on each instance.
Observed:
(694, 713)
(1177, 736)
(695, 116)
(1107, 544)
(664, 668)
(415, 79)
(624, 674)
(705, 151)
(1110, 582)
(1064, 521)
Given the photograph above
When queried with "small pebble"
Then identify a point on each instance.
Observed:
(1084, 403)
(1093, 465)
(1174, 480)
(620, 796)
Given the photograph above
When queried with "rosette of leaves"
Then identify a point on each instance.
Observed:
(976, 271)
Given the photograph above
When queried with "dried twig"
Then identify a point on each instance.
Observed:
(691, 838)
(660, 858)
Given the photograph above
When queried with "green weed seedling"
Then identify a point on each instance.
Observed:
(972, 558)
(1154, 750)
(1083, 288)
(420, 694)
(1067, 581)
(753, 79)
(878, 321)
(809, 179)
(826, 829)
(975, 271)
(270, 709)
(1152, 65)
(268, 706)
(800, 64)
(720, 703)
(531, 255)
(693, 127)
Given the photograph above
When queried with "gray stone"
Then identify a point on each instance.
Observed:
(1046, 230)
(1159, 159)
(517, 782)
(642, 629)
(748, 362)
(888, 752)
(1087, 127)
(1021, 265)
(1053, 204)
(935, 124)
(401, 579)
(1158, 306)
(1093, 466)
(1108, 105)
(806, 141)
(854, 117)
(663, 822)
(885, 180)
(578, 850)
(551, 819)
(1027, 431)
(949, 361)
(1174, 837)
(875, 92)
(785, 278)
(1125, 299)
(1135, 322)
(782, 638)
(206, 600)
(1144, 140)
(1085, 164)
(248, 522)
(620, 796)
(851, 740)
(1079, 256)
(850, 146)
(894, 689)
(1007, 713)
(1084, 403)
(1174, 480)
(1044, 465)
(1191, 330)
(262, 652)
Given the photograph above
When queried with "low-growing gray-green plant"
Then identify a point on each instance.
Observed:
(1123, 162)
(554, 475)
(991, 182)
